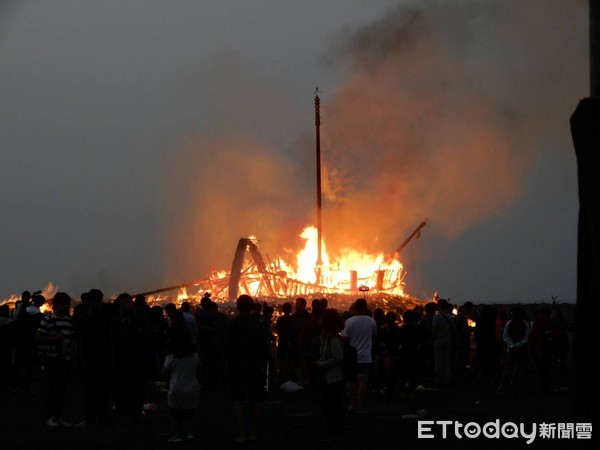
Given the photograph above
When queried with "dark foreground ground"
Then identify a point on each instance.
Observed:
(292, 420)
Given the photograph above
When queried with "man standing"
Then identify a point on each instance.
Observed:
(360, 330)
(57, 328)
(247, 352)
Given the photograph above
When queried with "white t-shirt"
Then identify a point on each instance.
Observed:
(360, 331)
(184, 388)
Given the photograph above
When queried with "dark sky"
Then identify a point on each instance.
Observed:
(141, 139)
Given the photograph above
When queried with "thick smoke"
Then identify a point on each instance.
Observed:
(442, 109)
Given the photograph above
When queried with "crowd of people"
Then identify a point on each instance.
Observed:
(344, 357)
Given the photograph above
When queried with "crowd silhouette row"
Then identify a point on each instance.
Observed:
(123, 346)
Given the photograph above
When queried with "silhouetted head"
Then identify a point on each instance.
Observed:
(139, 301)
(38, 300)
(360, 306)
(124, 303)
(170, 309)
(467, 308)
(331, 321)
(443, 305)
(96, 295)
(409, 317)
(268, 311)
(61, 303)
(4, 310)
(244, 304)
(379, 316)
(300, 304)
(430, 307)
(418, 310)
(206, 301)
(518, 313)
(286, 308)
(390, 317)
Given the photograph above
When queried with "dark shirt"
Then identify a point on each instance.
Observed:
(247, 348)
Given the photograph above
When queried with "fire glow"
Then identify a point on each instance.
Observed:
(338, 274)
(347, 272)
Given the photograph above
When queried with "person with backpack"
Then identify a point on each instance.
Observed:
(330, 361)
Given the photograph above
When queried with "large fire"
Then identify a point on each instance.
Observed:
(348, 272)
(337, 272)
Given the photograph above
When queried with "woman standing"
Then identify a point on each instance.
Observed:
(181, 366)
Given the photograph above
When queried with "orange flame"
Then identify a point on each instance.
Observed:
(335, 273)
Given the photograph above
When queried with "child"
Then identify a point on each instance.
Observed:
(181, 365)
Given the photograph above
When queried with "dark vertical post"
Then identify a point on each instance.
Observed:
(594, 23)
(319, 228)
(353, 280)
(585, 131)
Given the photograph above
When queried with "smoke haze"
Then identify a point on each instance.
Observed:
(440, 114)
(141, 141)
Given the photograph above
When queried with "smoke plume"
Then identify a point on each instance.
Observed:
(441, 111)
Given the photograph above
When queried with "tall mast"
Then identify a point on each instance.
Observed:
(319, 227)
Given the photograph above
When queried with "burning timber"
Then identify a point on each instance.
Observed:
(273, 281)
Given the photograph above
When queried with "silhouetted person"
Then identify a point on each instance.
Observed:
(181, 367)
(190, 320)
(21, 305)
(209, 350)
(283, 330)
(426, 322)
(390, 338)
(295, 354)
(159, 326)
(410, 336)
(330, 364)
(487, 359)
(93, 332)
(247, 354)
(515, 335)
(130, 337)
(378, 350)
(360, 330)
(7, 337)
(310, 345)
(463, 338)
(26, 327)
(560, 331)
(443, 331)
(543, 349)
(57, 329)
